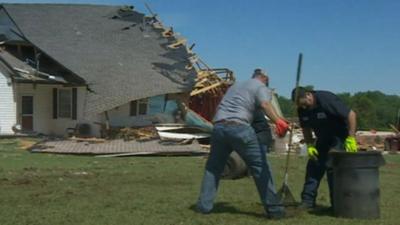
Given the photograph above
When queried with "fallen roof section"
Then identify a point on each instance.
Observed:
(117, 147)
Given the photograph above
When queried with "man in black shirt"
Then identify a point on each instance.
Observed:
(334, 125)
(263, 131)
(260, 123)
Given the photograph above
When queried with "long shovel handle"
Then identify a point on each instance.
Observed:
(299, 63)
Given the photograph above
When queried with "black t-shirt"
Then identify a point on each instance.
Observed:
(259, 123)
(328, 118)
(262, 128)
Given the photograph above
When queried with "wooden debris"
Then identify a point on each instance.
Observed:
(168, 33)
(211, 87)
(372, 140)
(205, 146)
(132, 133)
(176, 142)
(394, 129)
(90, 140)
(107, 120)
(210, 81)
(177, 44)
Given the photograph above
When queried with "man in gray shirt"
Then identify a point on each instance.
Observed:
(232, 131)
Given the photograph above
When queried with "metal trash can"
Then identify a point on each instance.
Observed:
(235, 167)
(356, 191)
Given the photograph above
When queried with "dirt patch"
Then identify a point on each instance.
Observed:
(3, 180)
(392, 165)
(22, 181)
(26, 144)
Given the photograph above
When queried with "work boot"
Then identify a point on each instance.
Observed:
(276, 215)
(323, 210)
(306, 206)
(288, 213)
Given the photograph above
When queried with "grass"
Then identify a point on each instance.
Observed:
(62, 189)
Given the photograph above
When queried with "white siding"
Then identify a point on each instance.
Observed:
(43, 121)
(7, 106)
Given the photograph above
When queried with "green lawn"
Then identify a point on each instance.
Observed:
(61, 189)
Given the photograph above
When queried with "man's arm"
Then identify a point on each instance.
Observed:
(270, 111)
(281, 126)
(307, 133)
(352, 121)
(350, 144)
(336, 107)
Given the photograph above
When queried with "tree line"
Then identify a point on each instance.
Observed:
(375, 110)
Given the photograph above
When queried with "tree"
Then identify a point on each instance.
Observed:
(366, 112)
(287, 106)
(346, 98)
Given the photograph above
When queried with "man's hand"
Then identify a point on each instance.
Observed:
(350, 144)
(312, 152)
(281, 127)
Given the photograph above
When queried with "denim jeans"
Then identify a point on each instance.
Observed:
(317, 168)
(239, 137)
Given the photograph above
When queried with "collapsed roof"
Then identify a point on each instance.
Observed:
(121, 54)
(22, 72)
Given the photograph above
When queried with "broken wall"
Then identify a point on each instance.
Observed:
(161, 109)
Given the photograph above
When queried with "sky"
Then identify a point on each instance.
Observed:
(347, 45)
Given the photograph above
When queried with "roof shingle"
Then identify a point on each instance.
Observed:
(119, 55)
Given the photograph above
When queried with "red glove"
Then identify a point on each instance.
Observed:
(281, 127)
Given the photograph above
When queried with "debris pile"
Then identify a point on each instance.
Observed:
(210, 87)
(116, 148)
(134, 133)
(392, 143)
(372, 140)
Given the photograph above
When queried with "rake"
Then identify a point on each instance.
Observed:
(284, 192)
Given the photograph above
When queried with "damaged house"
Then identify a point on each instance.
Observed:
(88, 67)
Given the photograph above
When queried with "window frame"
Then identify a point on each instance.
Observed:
(135, 111)
(59, 105)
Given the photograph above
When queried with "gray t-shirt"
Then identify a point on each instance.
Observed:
(241, 100)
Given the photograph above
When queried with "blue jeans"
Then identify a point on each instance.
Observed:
(317, 168)
(239, 137)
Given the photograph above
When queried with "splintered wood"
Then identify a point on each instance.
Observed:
(89, 140)
(209, 81)
(139, 134)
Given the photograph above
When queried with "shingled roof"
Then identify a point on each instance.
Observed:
(22, 72)
(118, 53)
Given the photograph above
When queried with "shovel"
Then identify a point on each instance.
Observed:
(284, 192)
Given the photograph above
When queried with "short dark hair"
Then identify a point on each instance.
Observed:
(259, 72)
(301, 93)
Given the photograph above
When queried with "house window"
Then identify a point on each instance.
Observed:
(139, 107)
(64, 103)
